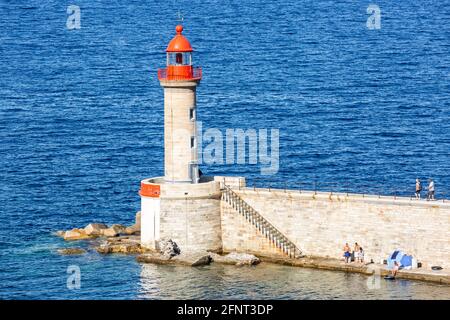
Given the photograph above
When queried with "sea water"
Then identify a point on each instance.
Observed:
(81, 123)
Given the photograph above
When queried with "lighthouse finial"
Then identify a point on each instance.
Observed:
(180, 16)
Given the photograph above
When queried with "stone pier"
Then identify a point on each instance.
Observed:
(321, 223)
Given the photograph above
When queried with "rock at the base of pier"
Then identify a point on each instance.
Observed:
(114, 230)
(168, 247)
(154, 257)
(119, 248)
(192, 259)
(132, 230)
(95, 229)
(137, 221)
(75, 234)
(71, 251)
(243, 258)
(236, 258)
(121, 244)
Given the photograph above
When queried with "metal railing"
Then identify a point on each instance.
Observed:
(195, 75)
(267, 229)
(363, 189)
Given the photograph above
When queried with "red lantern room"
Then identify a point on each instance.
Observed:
(179, 60)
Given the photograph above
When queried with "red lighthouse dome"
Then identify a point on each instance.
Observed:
(179, 43)
(179, 60)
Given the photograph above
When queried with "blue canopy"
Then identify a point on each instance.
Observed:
(406, 261)
(401, 258)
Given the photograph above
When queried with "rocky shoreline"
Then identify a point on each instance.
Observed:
(198, 258)
(96, 230)
(126, 240)
(119, 239)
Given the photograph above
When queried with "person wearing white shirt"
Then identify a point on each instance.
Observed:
(430, 195)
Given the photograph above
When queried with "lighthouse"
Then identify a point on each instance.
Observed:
(181, 205)
(180, 79)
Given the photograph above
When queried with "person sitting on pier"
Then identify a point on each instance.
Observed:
(418, 188)
(395, 269)
(347, 254)
(430, 195)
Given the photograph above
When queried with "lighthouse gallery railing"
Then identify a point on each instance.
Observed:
(195, 75)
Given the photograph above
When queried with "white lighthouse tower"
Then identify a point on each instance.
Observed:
(180, 206)
(179, 80)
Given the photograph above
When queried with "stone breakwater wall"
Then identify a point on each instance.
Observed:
(188, 214)
(321, 223)
(194, 224)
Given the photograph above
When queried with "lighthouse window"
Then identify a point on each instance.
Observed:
(192, 114)
(192, 142)
(179, 59)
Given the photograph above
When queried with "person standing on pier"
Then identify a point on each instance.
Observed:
(418, 188)
(430, 195)
(356, 252)
(347, 254)
(361, 255)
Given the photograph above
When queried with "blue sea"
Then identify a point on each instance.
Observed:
(81, 123)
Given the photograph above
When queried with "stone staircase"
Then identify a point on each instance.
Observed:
(260, 223)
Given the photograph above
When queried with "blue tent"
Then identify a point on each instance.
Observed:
(396, 256)
(406, 261)
(401, 258)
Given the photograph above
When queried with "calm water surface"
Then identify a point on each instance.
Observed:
(81, 123)
(43, 276)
